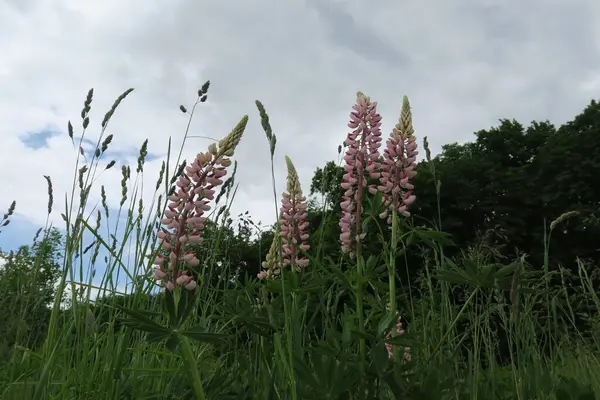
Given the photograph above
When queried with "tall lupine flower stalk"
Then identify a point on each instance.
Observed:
(361, 161)
(397, 169)
(291, 233)
(294, 222)
(272, 264)
(184, 217)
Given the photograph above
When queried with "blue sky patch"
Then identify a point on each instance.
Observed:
(21, 232)
(38, 140)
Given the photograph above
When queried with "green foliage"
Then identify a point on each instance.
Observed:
(326, 182)
(504, 186)
(28, 281)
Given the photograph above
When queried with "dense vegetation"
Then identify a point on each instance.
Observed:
(483, 285)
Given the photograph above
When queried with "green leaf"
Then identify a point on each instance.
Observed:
(143, 322)
(347, 331)
(304, 373)
(404, 340)
(172, 343)
(410, 239)
(527, 290)
(386, 324)
(291, 280)
(343, 278)
(471, 269)
(431, 236)
(453, 277)
(381, 286)
(330, 348)
(312, 288)
(153, 337)
(449, 263)
(397, 389)
(150, 313)
(275, 285)
(133, 323)
(199, 333)
(375, 203)
(487, 276)
(185, 306)
(505, 271)
(258, 325)
(380, 357)
(360, 335)
(169, 302)
(365, 223)
(371, 263)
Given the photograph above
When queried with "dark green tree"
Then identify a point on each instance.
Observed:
(567, 173)
(27, 287)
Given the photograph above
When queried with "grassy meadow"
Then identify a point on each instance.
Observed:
(314, 323)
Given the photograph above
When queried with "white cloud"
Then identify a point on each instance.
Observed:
(464, 64)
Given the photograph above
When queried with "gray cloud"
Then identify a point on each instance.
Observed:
(463, 64)
(342, 29)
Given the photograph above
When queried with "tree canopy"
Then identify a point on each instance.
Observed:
(507, 184)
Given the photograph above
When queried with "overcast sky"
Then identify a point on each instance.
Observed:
(463, 63)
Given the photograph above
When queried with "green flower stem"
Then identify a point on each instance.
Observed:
(190, 360)
(359, 307)
(392, 266)
(392, 271)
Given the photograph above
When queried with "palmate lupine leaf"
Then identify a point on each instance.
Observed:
(200, 334)
(139, 321)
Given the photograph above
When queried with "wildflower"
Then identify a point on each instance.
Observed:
(262, 275)
(399, 332)
(294, 223)
(390, 348)
(291, 233)
(361, 161)
(272, 266)
(184, 218)
(399, 166)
